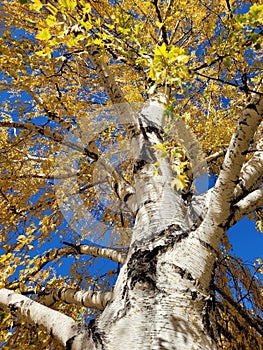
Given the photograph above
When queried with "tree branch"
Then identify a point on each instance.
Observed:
(44, 131)
(223, 193)
(96, 300)
(107, 253)
(251, 175)
(215, 155)
(159, 16)
(105, 76)
(72, 249)
(247, 205)
(41, 176)
(242, 88)
(63, 328)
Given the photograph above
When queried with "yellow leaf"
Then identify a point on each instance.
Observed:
(51, 20)
(43, 34)
(68, 4)
(21, 238)
(159, 24)
(37, 5)
(180, 182)
(161, 50)
(5, 257)
(159, 147)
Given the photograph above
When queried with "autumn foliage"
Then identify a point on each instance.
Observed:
(59, 61)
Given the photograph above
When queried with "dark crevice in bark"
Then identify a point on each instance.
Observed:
(143, 130)
(139, 164)
(69, 343)
(208, 246)
(90, 154)
(127, 196)
(172, 234)
(183, 273)
(142, 268)
(142, 263)
(209, 309)
(147, 153)
(97, 335)
(152, 127)
(252, 106)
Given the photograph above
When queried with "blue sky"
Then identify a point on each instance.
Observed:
(246, 242)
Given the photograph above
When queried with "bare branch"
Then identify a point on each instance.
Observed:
(242, 88)
(215, 155)
(247, 205)
(108, 253)
(159, 16)
(96, 300)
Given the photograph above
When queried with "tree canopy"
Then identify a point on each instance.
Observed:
(67, 68)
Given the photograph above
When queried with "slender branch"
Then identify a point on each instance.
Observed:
(72, 249)
(242, 88)
(257, 324)
(107, 253)
(96, 300)
(229, 8)
(41, 176)
(247, 205)
(215, 155)
(44, 131)
(159, 16)
(63, 328)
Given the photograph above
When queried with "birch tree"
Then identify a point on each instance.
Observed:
(111, 113)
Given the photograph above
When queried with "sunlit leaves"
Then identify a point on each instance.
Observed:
(207, 58)
(44, 34)
(169, 65)
(253, 18)
(67, 5)
(36, 5)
